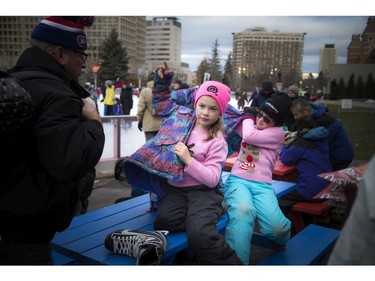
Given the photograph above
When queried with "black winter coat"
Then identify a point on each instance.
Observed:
(126, 99)
(60, 150)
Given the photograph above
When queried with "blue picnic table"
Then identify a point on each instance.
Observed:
(83, 241)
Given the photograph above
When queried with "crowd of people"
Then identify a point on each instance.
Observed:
(189, 131)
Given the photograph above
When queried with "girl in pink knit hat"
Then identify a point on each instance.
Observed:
(195, 136)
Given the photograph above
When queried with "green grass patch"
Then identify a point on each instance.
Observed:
(359, 124)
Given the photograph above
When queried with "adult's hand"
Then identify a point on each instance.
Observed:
(89, 111)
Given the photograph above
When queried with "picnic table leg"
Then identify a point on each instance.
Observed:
(297, 222)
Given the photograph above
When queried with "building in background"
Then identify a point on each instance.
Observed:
(131, 33)
(358, 65)
(14, 38)
(328, 56)
(345, 71)
(360, 47)
(163, 44)
(259, 55)
(15, 35)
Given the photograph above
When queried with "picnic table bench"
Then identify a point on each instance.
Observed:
(83, 241)
(310, 246)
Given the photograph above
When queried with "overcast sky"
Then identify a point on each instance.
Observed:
(205, 21)
(199, 34)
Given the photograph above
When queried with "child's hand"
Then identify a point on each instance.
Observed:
(164, 71)
(182, 151)
(163, 78)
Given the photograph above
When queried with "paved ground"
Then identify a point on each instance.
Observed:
(106, 192)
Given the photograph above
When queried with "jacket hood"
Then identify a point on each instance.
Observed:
(316, 134)
(318, 110)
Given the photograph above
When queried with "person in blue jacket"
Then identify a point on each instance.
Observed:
(306, 147)
(341, 151)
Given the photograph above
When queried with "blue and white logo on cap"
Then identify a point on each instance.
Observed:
(81, 40)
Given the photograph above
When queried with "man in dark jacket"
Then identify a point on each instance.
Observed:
(341, 152)
(126, 98)
(265, 93)
(66, 143)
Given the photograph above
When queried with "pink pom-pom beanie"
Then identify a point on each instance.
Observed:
(216, 90)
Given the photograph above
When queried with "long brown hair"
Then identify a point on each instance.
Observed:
(216, 127)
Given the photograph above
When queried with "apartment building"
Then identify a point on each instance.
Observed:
(328, 56)
(14, 38)
(259, 55)
(163, 43)
(15, 35)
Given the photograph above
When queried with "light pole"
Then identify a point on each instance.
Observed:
(241, 70)
(272, 72)
(95, 70)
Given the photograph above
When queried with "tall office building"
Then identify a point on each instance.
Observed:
(328, 56)
(163, 43)
(131, 33)
(15, 35)
(14, 38)
(260, 55)
(360, 47)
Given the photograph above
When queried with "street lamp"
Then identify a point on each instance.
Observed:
(241, 70)
(272, 72)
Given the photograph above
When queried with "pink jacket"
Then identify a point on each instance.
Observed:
(208, 160)
(258, 153)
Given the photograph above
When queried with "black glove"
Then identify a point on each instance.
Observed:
(140, 125)
(250, 112)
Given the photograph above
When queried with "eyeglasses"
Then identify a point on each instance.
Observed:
(83, 56)
(266, 119)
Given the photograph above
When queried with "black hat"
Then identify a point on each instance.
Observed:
(150, 77)
(277, 107)
(267, 85)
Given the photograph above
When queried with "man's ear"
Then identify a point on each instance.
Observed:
(59, 54)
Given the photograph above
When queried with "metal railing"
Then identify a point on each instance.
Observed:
(116, 121)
